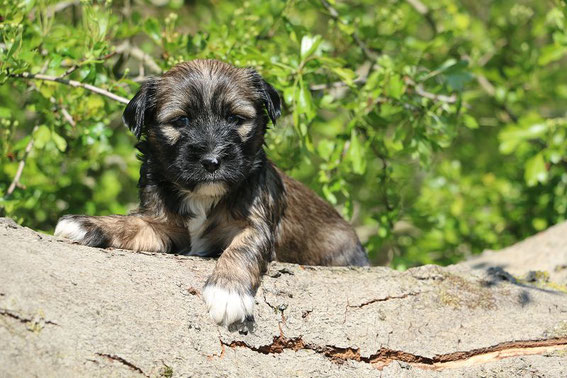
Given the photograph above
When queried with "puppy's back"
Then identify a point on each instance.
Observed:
(312, 232)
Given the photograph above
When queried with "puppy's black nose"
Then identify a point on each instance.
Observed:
(211, 164)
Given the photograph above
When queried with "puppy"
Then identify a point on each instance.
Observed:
(207, 188)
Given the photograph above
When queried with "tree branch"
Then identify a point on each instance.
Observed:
(21, 166)
(367, 51)
(61, 6)
(55, 8)
(64, 112)
(425, 12)
(74, 67)
(140, 55)
(73, 83)
(417, 87)
(487, 86)
(435, 97)
(336, 84)
(68, 116)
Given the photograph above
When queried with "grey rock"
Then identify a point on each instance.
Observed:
(542, 256)
(68, 310)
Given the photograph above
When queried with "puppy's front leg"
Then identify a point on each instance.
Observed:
(135, 232)
(229, 291)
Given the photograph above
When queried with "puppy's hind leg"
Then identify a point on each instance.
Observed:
(135, 232)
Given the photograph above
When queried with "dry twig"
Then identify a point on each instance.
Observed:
(425, 12)
(73, 83)
(140, 55)
(367, 51)
(21, 166)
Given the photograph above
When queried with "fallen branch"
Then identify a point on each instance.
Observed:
(73, 83)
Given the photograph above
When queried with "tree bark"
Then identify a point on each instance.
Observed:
(68, 310)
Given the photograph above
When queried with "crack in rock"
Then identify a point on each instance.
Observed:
(21, 319)
(412, 294)
(385, 356)
(280, 308)
(130, 365)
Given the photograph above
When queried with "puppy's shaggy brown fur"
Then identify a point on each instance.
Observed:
(207, 188)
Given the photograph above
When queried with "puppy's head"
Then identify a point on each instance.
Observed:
(204, 122)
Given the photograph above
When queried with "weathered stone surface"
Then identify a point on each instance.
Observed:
(72, 310)
(545, 252)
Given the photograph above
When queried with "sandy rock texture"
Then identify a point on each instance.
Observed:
(70, 310)
(542, 257)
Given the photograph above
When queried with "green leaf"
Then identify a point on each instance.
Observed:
(356, 154)
(535, 170)
(455, 72)
(470, 122)
(305, 101)
(309, 45)
(5, 112)
(329, 195)
(21, 144)
(56, 61)
(347, 75)
(59, 141)
(325, 148)
(94, 104)
(41, 136)
(153, 29)
(396, 87)
(387, 109)
(551, 53)
(47, 89)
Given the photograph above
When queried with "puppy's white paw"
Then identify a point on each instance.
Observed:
(71, 229)
(227, 307)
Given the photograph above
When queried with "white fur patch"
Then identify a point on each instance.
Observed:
(227, 307)
(210, 189)
(70, 229)
(199, 202)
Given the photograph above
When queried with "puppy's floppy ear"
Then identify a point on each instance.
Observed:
(271, 101)
(270, 97)
(140, 109)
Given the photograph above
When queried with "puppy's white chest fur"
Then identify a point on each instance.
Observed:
(199, 203)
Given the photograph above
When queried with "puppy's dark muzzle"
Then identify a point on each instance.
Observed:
(210, 163)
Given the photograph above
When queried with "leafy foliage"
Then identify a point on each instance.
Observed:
(438, 128)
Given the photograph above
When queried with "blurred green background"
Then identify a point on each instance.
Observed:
(438, 128)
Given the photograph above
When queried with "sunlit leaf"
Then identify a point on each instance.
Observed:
(309, 45)
(535, 171)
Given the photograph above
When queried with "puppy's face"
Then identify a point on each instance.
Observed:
(204, 122)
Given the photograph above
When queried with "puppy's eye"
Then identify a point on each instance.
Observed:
(236, 119)
(180, 121)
